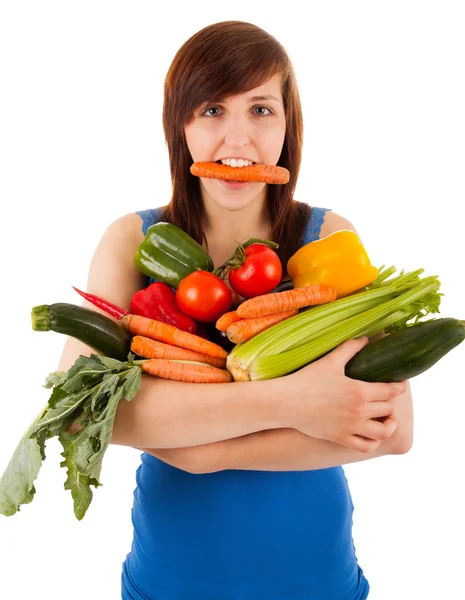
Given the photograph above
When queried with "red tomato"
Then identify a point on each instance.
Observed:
(260, 273)
(203, 296)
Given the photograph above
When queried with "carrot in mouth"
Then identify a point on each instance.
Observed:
(256, 172)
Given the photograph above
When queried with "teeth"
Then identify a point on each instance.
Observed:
(233, 162)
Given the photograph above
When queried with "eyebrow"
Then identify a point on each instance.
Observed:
(261, 98)
(251, 99)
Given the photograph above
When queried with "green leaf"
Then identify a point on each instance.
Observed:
(132, 383)
(82, 363)
(88, 393)
(113, 364)
(77, 483)
(83, 453)
(84, 379)
(55, 378)
(99, 434)
(53, 420)
(17, 482)
(107, 387)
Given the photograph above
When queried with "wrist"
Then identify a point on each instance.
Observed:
(280, 410)
(292, 403)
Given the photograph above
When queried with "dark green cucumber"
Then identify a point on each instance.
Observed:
(89, 326)
(407, 353)
(283, 286)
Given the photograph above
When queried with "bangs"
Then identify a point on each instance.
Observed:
(242, 77)
(228, 63)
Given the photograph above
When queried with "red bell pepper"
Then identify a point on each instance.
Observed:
(158, 301)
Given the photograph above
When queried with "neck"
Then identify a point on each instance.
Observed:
(225, 227)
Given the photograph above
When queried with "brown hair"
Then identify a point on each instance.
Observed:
(221, 60)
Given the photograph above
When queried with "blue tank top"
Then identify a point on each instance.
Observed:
(240, 534)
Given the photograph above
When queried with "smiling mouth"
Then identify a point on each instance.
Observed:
(232, 180)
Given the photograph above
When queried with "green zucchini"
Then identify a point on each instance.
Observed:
(89, 326)
(407, 353)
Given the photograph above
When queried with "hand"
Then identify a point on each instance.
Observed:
(328, 405)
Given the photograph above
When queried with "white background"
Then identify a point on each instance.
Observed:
(81, 143)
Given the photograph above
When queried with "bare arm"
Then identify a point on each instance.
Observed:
(287, 449)
(319, 400)
(167, 414)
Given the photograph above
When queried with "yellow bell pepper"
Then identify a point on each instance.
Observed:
(338, 260)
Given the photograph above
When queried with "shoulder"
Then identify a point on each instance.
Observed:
(112, 272)
(334, 222)
(119, 241)
(125, 227)
(123, 234)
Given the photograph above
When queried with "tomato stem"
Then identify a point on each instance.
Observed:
(237, 259)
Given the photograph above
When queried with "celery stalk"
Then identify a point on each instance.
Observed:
(297, 330)
(423, 296)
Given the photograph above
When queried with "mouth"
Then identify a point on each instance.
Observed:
(219, 162)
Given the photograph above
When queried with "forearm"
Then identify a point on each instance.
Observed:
(286, 449)
(290, 450)
(172, 414)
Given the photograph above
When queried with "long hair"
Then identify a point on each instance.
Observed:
(221, 60)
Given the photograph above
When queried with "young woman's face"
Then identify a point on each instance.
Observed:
(250, 126)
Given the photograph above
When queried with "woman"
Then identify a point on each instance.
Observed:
(240, 492)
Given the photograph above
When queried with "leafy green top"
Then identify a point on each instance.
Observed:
(88, 394)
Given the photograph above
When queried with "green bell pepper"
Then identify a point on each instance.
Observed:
(169, 254)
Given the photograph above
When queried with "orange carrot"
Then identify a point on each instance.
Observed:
(192, 372)
(225, 320)
(268, 304)
(243, 330)
(256, 172)
(148, 348)
(162, 332)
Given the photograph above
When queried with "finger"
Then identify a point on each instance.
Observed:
(361, 444)
(348, 349)
(73, 428)
(386, 391)
(375, 430)
(375, 410)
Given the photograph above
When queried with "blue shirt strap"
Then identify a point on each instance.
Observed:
(314, 224)
(149, 217)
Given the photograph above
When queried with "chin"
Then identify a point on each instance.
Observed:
(234, 200)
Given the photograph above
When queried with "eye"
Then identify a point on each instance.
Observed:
(264, 111)
(205, 112)
(264, 108)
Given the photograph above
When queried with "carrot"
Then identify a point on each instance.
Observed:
(268, 304)
(243, 330)
(192, 372)
(257, 172)
(162, 332)
(225, 320)
(148, 348)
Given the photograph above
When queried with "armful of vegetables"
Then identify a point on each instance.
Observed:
(335, 294)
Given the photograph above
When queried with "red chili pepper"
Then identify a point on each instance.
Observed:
(158, 301)
(108, 307)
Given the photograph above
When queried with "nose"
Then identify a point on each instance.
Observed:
(237, 132)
